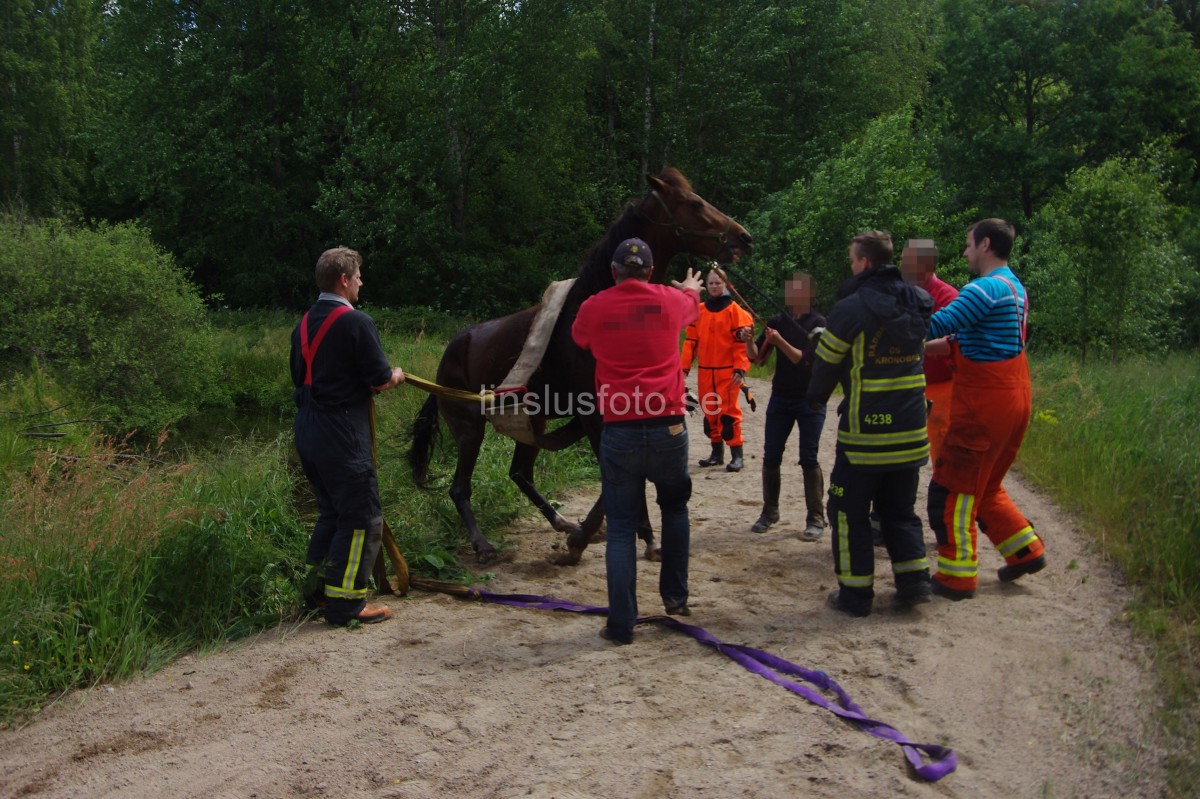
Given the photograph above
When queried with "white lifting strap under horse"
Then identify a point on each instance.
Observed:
(507, 409)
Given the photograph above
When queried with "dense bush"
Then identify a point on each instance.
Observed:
(110, 315)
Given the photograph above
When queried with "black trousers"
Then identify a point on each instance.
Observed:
(335, 452)
(852, 492)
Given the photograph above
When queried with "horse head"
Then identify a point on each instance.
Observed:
(680, 220)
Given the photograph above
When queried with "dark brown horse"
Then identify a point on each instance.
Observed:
(672, 219)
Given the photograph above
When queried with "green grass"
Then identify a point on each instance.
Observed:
(115, 559)
(1120, 447)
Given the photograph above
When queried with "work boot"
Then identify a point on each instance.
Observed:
(814, 500)
(912, 588)
(735, 460)
(850, 602)
(770, 511)
(1009, 573)
(717, 457)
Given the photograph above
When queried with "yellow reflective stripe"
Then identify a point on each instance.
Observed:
(1017, 541)
(960, 533)
(841, 540)
(956, 568)
(906, 566)
(895, 383)
(887, 458)
(357, 539)
(899, 437)
(841, 544)
(340, 593)
(856, 366)
(831, 342)
(829, 357)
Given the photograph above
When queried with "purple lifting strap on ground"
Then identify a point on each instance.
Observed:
(942, 760)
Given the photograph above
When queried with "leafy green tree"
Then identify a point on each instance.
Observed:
(884, 179)
(111, 316)
(47, 100)
(1029, 91)
(1102, 270)
(200, 141)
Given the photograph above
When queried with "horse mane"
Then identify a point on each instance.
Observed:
(595, 274)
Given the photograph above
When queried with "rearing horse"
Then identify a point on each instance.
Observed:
(672, 219)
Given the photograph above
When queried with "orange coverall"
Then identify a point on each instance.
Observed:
(713, 340)
(988, 419)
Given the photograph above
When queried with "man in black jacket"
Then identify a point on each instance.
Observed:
(873, 344)
(337, 363)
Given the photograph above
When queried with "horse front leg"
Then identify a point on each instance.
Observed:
(646, 533)
(578, 539)
(521, 473)
(589, 531)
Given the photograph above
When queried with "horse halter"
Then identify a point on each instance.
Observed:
(679, 229)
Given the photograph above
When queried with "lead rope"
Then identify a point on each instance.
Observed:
(942, 760)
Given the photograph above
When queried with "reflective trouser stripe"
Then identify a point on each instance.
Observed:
(958, 568)
(841, 543)
(960, 531)
(1023, 538)
(347, 590)
(910, 566)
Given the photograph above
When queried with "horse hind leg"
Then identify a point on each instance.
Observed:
(469, 439)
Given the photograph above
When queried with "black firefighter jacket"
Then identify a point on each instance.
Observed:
(874, 345)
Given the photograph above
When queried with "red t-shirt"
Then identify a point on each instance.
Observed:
(632, 329)
(937, 367)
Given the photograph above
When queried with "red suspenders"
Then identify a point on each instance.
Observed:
(309, 352)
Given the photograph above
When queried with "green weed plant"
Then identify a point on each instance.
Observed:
(1120, 446)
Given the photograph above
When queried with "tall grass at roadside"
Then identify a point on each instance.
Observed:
(1120, 446)
(114, 561)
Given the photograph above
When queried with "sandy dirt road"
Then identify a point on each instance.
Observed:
(1038, 686)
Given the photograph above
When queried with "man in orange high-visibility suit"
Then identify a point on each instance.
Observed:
(989, 414)
(713, 340)
(918, 263)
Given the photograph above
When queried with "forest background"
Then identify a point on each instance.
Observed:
(171, 169)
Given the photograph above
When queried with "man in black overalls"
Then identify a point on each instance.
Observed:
(337, 362)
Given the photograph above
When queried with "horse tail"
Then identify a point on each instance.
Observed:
(425, 434)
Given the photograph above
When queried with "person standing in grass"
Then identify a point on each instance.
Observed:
(989, 414)
(793, 334)
(337, 364)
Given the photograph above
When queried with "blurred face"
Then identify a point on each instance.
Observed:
(798, 295)
(917, 264)
(714, 285)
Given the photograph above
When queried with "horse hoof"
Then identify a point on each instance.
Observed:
(569, 558)
(654, 554)
(561, 525)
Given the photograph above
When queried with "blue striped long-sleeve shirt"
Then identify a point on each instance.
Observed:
(988, 317)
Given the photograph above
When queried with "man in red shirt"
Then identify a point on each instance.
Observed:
(918, 262)
(632, 330)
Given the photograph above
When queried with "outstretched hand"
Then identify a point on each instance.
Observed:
(692, 281)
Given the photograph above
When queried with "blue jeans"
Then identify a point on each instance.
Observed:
(629, 456)
(782, 413)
